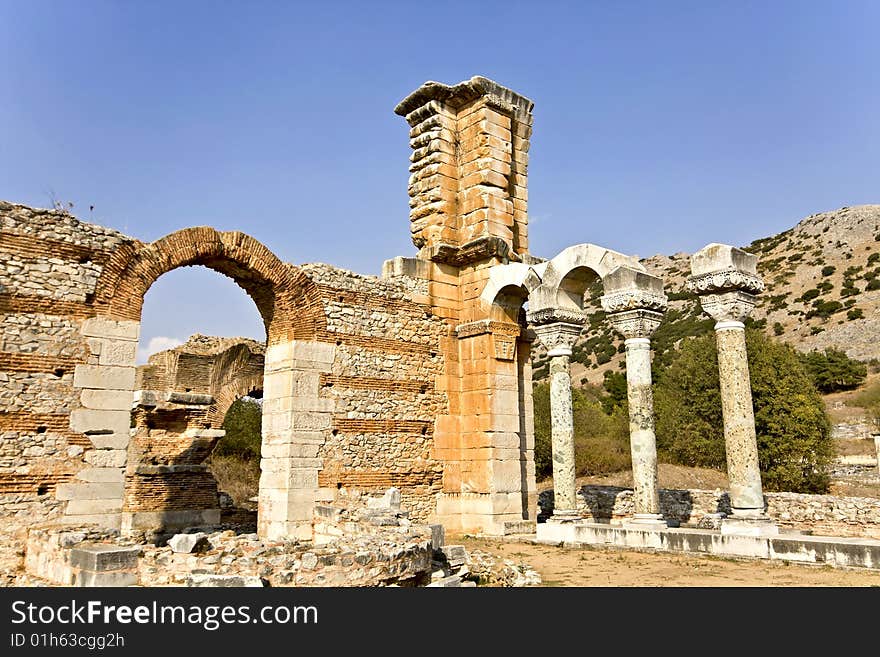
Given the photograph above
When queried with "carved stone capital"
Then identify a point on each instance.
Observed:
(731, 306)
(639, 323)
(558, 337)
(725, 280)
(624, 300)
(556, 314)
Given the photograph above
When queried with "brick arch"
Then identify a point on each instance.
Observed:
(286, 298)
(226, 396)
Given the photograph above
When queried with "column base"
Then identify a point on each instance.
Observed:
(564, 516)
(749, 525)
(646, 522)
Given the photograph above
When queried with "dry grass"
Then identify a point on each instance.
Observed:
(239, 478)
(856, 446)
(854, 489)
(670, 476)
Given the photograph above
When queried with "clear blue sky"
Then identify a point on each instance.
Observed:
(659, 126)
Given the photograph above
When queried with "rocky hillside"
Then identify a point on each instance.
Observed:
(823, 290)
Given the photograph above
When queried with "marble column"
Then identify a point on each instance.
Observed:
(559, 337)
(727, 282)
(635, 303)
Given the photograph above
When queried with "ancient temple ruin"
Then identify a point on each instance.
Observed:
(419, 379)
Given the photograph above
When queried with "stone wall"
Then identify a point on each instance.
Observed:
(824, 515)
(382, 385)
(49, 267)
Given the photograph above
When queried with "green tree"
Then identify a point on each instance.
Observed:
(243, 426)
(615, 386)
(601, 439)
(793, 431)
(833, 370)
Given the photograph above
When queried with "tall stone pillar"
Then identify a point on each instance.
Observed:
(558, 336)
(727, 282)
(635, 303)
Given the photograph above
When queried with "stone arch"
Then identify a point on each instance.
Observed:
(568, 275)
(294, 417)
(278, 289)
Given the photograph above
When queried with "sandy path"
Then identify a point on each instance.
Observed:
(607, 567)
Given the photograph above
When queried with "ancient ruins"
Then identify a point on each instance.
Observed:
(418, 380)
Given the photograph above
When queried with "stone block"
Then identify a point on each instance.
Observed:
(101, 475)
(93, 421)
(187, 543)
(453, 581)
(456, 555)
(224, 581)
(90, 579)
(117, 352)
(288, 450)
(108, 400)
(84, 507)
(104, 557)
(438, 536)
(104, 377)
(92, 491)
(110, 440)
(102, 327)
(107, 520)
(106, 458)
(719, 257)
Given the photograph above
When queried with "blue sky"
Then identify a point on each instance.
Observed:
(659, 126)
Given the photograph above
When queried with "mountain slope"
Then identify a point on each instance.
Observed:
(822, 290)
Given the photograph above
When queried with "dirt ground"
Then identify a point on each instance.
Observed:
(607, 567)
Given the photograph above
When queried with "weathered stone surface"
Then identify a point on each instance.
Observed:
(104, 557)
(186, 543)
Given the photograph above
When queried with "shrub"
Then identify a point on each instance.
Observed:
(794, 434)
(855, 313)
(827, 270)
(833, 370)
(809, 295)
(873, 284)
(601, 440)
(778, 329)
(242, 423)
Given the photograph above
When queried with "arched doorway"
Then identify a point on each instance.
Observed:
(293, 414)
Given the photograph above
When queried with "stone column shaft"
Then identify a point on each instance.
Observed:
(562, 429)
(635, 302)
(727, 282)
(559, 336)
(740, 440)
(643, 442)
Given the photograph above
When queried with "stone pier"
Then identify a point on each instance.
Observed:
(558, 336)
(726, 280)
(635, 303)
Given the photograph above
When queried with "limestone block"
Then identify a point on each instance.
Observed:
(456, 555)
(90, 491)
(103, 557)
(291, 478)
(90, 579)
(289, 450)
(187, 543)
(117, 352)
(106, 458)
(109, 520)
(93, 421)
(92, 507)
(101, 475)
(301, 350)
(718, 257)
(110, 400)
(110, 440)
(101, 327)
(202, 580)
(104, 377)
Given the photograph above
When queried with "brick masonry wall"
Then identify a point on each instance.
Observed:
(382, 383)
(49, 266)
